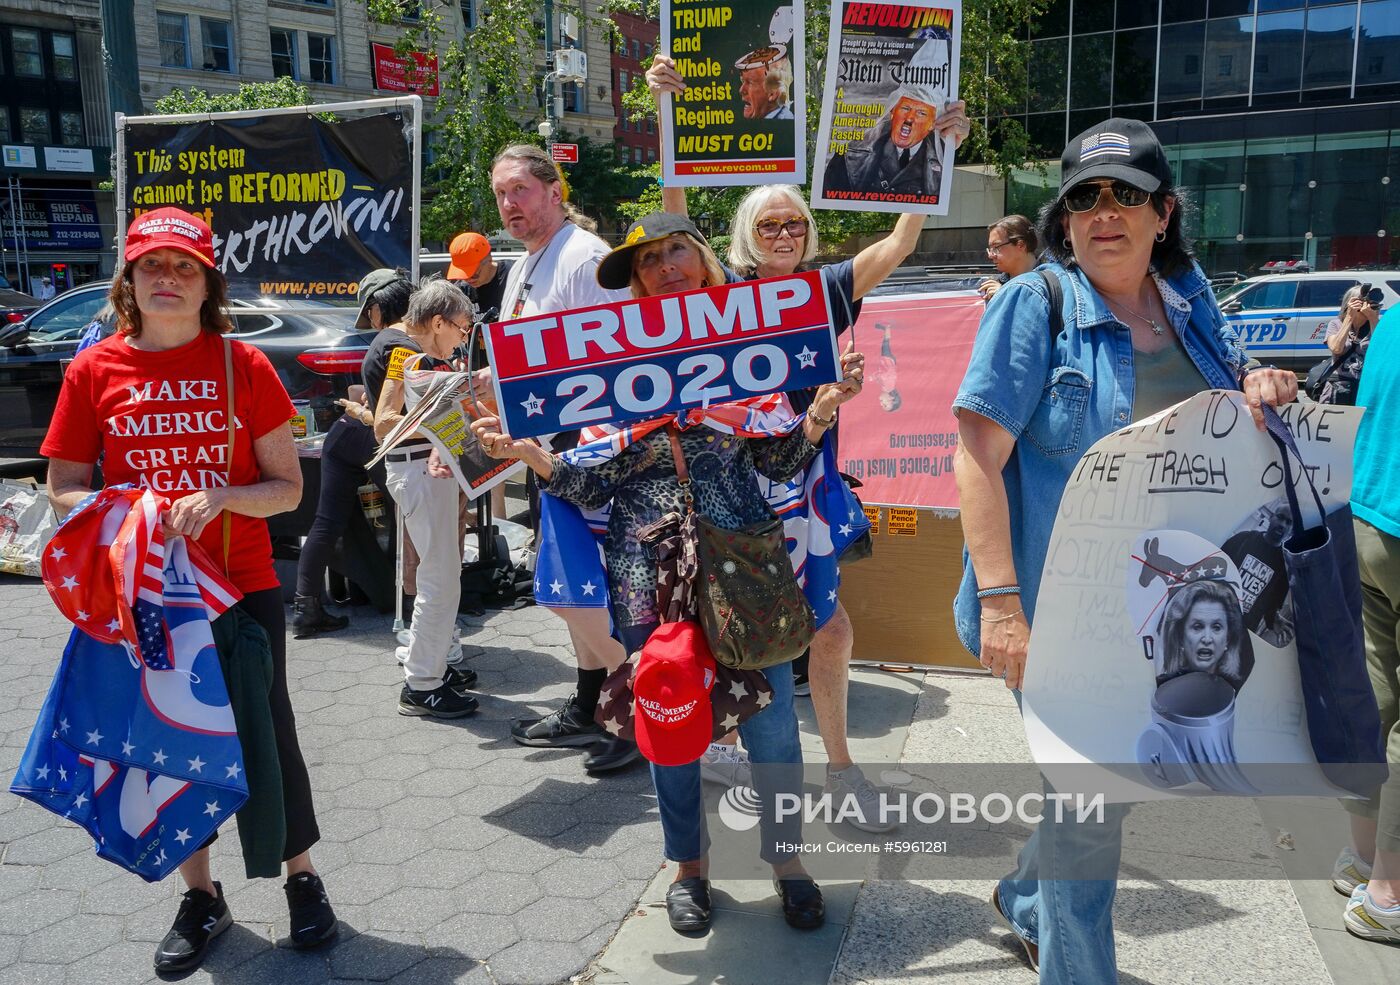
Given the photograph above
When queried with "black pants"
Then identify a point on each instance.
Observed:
(348, 445)
(266, 610)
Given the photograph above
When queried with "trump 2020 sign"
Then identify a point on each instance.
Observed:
(636, 360)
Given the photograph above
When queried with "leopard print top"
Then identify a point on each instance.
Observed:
(642, 485)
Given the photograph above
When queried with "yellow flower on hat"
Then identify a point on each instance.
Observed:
(636, 235)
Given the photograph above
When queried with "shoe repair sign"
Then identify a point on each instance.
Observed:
(636, 360)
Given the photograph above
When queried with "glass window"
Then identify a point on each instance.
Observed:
(651, 124)
(5, 125)
(1323, 293)
(1176, 11)
(65, 65)
(218, 45)
(1092, 81)
(1054, 22)
(1328, 50)
(1093, 15)
(71, 126)
(34, 125)
(1226, 63)
(1270, 294)
(651, 154)
(1278, 52)
(636, 49)
(1182, 48)
(1277, 195)
(1134, 65)
(636, 155)
(573, 98)
(1266, 6)
(284, 53)
(1378, 61)
(173, 32)
(1047, 69)
(622, 74)
(1135, 13)
(1348, 168)
(28, 56)
(1231, 8)
(1047, 131)
(469, 14)
(320, 58)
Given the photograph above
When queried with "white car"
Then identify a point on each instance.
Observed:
(1282, 318)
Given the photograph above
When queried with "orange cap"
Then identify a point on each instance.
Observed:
(468, 250)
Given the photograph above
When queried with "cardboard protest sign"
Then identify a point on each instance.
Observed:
(744, 113)
(893, 68)
(300, 207)
(635, 360)
(1163, 632)
(898, 436)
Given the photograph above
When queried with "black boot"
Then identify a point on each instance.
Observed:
(309, 618)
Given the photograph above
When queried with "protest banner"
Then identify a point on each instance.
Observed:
(893, 68)
(414, 72)
(1164, 636)
(635, 360)
(898, 436)
(744, 113)
(302, 203)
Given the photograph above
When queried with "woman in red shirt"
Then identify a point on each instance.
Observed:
(150, 403)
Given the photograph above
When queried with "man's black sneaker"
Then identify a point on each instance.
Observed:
(313, 920)
(568, 726)
(459, 678)
(441, 702)
(201, 918)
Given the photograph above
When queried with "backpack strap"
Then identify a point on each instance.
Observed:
(1057, 302)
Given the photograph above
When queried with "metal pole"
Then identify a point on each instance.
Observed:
(398, 569)
(549, 67)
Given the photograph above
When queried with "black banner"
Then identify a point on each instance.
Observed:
(300, 208)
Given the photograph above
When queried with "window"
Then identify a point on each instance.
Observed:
(218, 45)
(320, 58)
(469, 14)
(636, 155)
(5, 125)
(651, 155)
(1048, 67)
(1323, 293)
(1379, 57)
(651, 124)
(1225, 66)
(65, 66)
(71, 125)
(173, 32)
(1092, 79)
(1270, 294)
(34, 125)
(1278, 52)
(573, 97)
(284, 53)
(622, 78)
(28, 57)
(1228, 44)
(636, 49)
(1134, 65)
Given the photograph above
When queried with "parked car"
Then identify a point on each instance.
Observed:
(314, 347)
(15, 305)
(1282, 317)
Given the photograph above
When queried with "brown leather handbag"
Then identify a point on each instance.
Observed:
(749, 603)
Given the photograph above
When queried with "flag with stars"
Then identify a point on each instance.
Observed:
(136, 740)
(821, 516)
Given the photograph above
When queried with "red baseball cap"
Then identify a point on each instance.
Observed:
(172, 228)
(468, 250)
(672, 716)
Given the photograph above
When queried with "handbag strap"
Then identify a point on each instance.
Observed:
(682, 473)
(1057, 302)
(1283, 438)
(228, 459)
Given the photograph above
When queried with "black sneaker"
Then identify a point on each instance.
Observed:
(313, 920)
(201, 918)
(441, 702)
(568, 726)
(459, 678)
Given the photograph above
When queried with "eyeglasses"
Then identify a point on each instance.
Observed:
(995, 249)
(772, 228)
(464, 329)
(1085, 197)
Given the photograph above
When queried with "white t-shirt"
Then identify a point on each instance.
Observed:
(560, 277)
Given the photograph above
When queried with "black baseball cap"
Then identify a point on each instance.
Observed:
(1124, 149)
(615, 272)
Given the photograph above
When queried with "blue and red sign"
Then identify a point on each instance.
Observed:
(636, 360)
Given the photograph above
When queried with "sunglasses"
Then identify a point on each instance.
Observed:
(1084, 198)
(772, 228)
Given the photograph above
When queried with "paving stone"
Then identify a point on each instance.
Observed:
(377, 956)
(34, 974)
(442, 868)
(441, 971)
(564, 920)
(475, 935)
(579, 878)
(125, 894)
(16, 880)
(498, 892)
(9, 949)
(521, 855)
(413, 813)
(349, 823)
(538, 963)
(370, 794)
(50, 845)
(37, 909)
(363, 883)
(464, 832)
(72, 939)
(284, 966)
(413, 909)
(389, 847)
(537, 821)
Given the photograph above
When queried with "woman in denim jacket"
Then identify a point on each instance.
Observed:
(1141, 331)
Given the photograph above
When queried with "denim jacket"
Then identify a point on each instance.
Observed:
(1058, 397)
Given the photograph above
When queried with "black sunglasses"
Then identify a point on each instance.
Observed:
(1083, 198)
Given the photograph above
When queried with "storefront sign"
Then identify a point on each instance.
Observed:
(20, 156)
(54, 219)
(68, 159)
(394, 73)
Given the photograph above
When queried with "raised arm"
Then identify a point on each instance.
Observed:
(664, 81)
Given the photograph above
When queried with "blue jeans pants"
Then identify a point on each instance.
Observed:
(776, 753)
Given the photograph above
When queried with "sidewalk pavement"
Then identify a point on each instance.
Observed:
(454, 855)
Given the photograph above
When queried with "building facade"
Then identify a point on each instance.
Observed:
(634, 44)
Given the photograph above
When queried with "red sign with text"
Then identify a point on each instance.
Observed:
(898, 436)
(564, 153)
(416, 73)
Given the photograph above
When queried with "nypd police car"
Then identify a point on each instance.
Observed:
(1282, 317)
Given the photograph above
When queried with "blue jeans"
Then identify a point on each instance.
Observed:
(774, 748)
(1070, 919)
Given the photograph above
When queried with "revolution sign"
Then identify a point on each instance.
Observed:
(636, 360)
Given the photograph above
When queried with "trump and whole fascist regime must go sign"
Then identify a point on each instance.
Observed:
(636, 360)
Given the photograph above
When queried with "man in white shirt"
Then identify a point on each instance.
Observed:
(558, 273)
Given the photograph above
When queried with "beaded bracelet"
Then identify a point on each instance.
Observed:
(988, 593)
(1009, 615)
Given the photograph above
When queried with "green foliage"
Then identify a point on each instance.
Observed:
(249, 95)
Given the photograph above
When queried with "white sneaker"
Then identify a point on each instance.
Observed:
(851, 782)
(404, 637)
(1365, 919)
(401, 653)
(726, 765)
(1349, 871)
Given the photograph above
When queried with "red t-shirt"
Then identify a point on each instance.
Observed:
(157, 419)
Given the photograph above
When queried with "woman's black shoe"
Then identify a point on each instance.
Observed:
(313, 920)
(611, 753)
(803, 907)
(688, 905)
(309, 618)
(201, 918)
